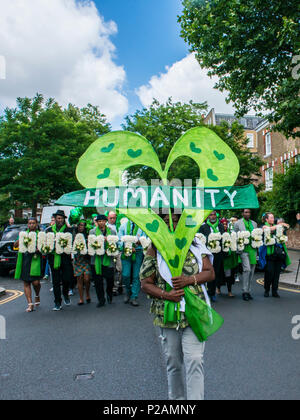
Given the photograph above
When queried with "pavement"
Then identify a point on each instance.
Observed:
(116, 352)
(288, 278)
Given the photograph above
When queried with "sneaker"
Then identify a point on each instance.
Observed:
(134, 302)
(57, 308)
(71, 292)
(126, 299)
(67, 301)
(51, 290)
(45, 277)
(267, 294)
(275, 295)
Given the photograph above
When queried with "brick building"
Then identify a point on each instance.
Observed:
(274, 148)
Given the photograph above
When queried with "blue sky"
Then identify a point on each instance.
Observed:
(117, 54)
(148, 38)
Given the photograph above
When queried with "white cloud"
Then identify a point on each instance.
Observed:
(184, 81)
(60, 48)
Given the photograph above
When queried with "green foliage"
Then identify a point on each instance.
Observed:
(250, 46)
(163, 124)
(284, 199)
(40, 144)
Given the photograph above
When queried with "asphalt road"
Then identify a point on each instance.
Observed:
(252, 357)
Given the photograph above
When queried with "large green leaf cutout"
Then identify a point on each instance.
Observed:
(105, 161)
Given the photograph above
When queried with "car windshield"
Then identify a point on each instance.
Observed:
(11, 235)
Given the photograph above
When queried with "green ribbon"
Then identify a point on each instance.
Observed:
(98, 258)
(57, 258)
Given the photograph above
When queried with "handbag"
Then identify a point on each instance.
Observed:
(203, 319)
(279, 253)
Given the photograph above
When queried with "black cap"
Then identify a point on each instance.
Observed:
(101, 217)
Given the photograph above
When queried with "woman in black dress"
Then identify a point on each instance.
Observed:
(25, 274)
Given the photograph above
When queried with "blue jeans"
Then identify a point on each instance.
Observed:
(128, 265)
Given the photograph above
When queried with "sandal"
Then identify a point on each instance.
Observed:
(37, 302)
(30, 307)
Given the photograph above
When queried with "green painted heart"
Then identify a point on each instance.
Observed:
(108, 149)
(199, 144)
(194, 148)
(134, 153)
(219, 156)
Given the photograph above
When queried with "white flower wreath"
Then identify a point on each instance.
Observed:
(145, 242)
(63, 243)
(226, 242)
(46, 242)
(129, 242)
(269, 240)
(281, 238)
(96, 245)
(243, 239)
(27, 242)
(79, 245)
(214, 243)
(233, 238)
(257, 238)
(201, 237)
(112, 247)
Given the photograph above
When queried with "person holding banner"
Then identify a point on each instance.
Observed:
(29, 263)
(214, 226)
(60, 265)
(181, 346)
(248, 255)
(103, 266)
(131, 261)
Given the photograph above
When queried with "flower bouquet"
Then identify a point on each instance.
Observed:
(213, 244)
(46, 242)
(112, 249)
(79, 246)
(96, 245)
(257, 238)
(63, 243)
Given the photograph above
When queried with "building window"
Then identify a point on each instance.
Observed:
(268, 144)
(269, 179)
(250, 137)
(286, 165)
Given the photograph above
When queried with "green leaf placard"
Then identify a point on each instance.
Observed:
(105, 161)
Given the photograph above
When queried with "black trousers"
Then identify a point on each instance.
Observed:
(272, 275)
(108, 275)
(219, 272)
(61, 276)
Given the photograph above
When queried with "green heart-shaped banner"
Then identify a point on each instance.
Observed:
(106, 160)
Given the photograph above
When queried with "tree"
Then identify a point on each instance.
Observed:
(284, 199)
(163, 125)
(40, 144)
(253, 47)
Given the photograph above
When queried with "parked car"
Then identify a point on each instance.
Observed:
(8, 255)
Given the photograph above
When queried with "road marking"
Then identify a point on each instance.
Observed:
(15, 295)
(262, 283)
